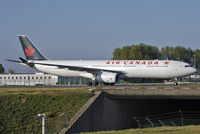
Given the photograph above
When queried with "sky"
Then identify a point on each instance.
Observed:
(92, 29)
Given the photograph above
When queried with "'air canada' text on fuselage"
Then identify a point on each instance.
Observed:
(131, 62)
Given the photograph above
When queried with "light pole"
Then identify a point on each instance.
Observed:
(43, 116)
(194, 61)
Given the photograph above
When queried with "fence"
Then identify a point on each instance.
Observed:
(179, 118)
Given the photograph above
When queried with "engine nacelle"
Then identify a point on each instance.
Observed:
(107, 77)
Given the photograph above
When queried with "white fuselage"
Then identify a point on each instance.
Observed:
(158, 69)
(108, 71)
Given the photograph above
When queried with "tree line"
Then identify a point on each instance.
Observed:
(148, 52)
(1, 69)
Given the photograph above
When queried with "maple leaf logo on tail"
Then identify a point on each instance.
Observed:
(29, 51)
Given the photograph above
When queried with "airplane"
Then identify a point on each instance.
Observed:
(108, 72)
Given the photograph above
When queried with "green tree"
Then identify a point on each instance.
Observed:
(147, 52)
(151, 52)
(136, 52)
(166, 53)
(10, 71)
(197, 54)
(117, 54)
(177, 53)
(1, 69)
(141, 51)
(125, 53)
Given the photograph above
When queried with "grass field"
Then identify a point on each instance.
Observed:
(158, 130)
(40, 90)
(19, 108)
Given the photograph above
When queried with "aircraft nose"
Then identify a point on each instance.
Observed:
(194, 70)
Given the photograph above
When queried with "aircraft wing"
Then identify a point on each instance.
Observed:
(74, 68)
(77, 68)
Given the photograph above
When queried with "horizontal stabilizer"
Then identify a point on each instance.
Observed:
(23, 61)
(13, 61)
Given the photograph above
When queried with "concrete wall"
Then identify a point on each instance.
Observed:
(115, 113)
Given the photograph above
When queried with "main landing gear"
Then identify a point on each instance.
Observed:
(175, 81)
(108, 84)
(92, 83)
(95, 83)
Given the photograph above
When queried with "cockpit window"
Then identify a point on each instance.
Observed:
(188, 66)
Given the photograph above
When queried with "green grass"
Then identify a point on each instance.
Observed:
(158, 130)
(35, 90)
(19, 108)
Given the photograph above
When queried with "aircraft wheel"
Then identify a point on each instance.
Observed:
(176, 83)
(112, 84)
(96, 83)
(89, 83)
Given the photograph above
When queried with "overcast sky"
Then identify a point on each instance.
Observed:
(92, 29)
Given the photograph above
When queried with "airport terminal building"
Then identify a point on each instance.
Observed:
(28, 79)
(40, 79)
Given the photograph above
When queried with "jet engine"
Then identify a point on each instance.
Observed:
(107, 77)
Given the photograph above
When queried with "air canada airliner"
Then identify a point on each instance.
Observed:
(104, 71)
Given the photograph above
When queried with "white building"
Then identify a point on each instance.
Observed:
(28, 79)
(195, 76)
